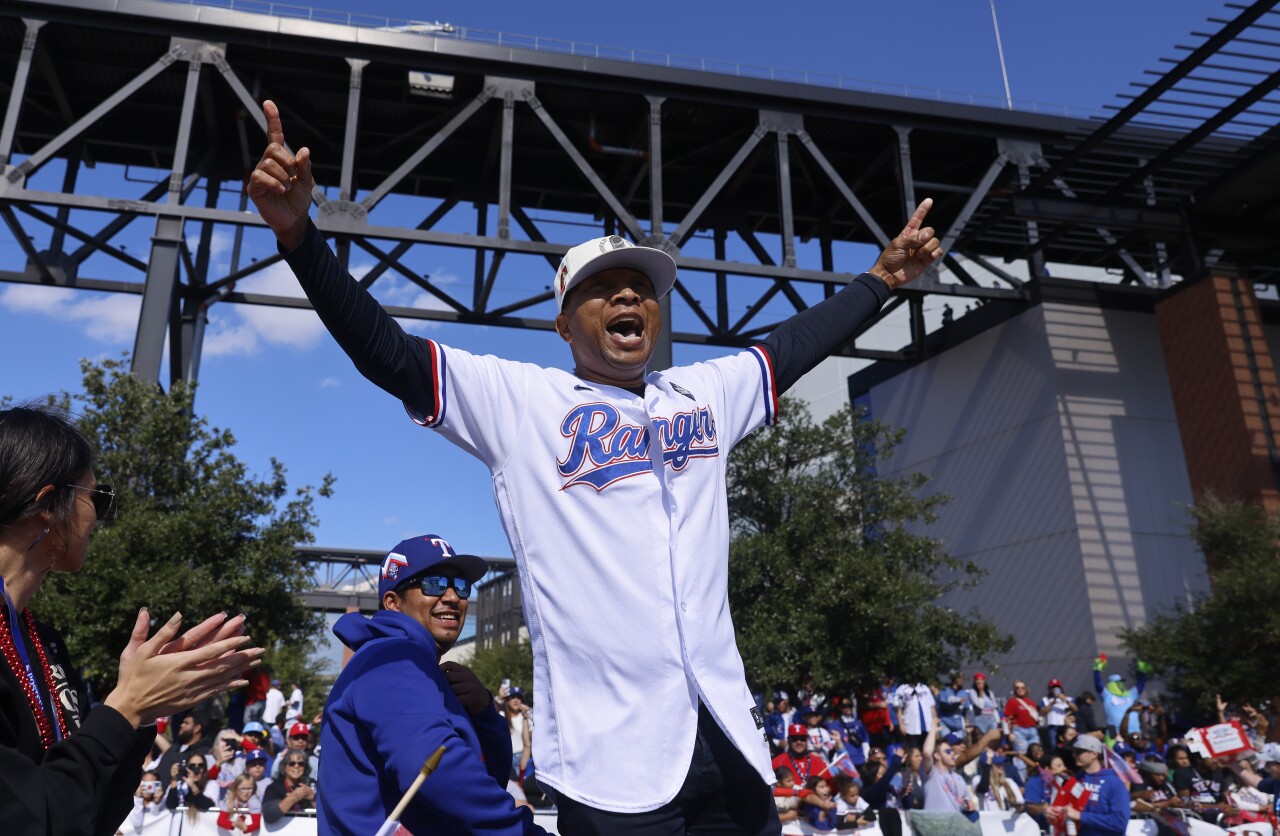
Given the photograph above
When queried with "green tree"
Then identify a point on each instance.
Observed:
(514, 662)
(827, 575)
(193, 530)
(1226, 640)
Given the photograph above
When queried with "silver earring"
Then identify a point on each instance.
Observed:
(38, 539)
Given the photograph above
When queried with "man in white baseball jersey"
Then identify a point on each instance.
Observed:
(611, 488)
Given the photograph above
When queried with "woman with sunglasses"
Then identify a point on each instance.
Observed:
(67, 769)
(292, 794)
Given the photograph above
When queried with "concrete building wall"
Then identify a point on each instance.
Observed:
(1054, 433)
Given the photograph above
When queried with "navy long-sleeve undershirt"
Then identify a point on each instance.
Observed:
(401, 364)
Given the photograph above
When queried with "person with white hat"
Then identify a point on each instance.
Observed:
(611, 485)
(1108, 808)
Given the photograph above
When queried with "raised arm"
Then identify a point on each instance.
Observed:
(280, 187)
(809, 337)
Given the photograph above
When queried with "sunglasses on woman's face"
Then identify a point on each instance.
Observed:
(103, 497)
(295, 763)
(196, 767)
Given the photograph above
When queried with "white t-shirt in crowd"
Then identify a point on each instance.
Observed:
(294, 711)
(271, 711)
(516, 724)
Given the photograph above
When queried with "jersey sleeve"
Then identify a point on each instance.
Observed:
(746, 389)
(480, 401)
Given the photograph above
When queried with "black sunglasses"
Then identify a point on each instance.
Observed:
(433, 586)
(196, 767)
(103, 497)
(295, 763)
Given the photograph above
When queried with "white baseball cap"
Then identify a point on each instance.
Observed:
(600, 254)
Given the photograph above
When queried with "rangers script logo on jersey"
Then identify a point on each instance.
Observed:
(603, 450)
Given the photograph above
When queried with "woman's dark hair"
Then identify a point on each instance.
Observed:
(40, 446)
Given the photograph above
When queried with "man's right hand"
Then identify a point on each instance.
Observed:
(280, 186)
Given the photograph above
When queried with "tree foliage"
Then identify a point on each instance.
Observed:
(193, 530)
(1226, 640)
(514, 662)
(827, 575)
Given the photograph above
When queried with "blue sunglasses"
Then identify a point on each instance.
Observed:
(433, 586)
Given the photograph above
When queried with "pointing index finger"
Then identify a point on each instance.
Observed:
(275, 131)
(917, 217)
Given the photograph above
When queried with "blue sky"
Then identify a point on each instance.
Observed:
(285, 390)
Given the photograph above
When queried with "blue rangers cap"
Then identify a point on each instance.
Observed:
(414, 556)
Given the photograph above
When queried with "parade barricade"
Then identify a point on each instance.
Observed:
(206, 824)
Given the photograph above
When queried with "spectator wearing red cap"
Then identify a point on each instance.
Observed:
(803, 764)
(1055, 706)
(985, 707)
(298, 740)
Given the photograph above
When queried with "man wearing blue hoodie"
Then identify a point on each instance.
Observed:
(394, 704)
(1107, 812)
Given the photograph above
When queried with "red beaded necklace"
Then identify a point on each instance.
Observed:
(10, 651)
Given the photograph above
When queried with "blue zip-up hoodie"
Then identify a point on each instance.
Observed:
(389, 710)
(1107, 813)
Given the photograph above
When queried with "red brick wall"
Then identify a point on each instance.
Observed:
(1207, 332)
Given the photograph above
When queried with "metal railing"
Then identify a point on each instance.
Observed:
(636, 56)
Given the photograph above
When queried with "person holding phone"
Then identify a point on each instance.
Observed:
(148, 805)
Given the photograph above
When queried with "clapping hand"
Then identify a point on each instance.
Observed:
(169, 673)
(915, 250)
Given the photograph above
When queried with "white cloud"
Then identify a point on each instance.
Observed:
(390, 520)
(330, 383)
(246, 329)
(106, 317)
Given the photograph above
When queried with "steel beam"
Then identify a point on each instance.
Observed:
(162, 267)
(688, 225)
(655, 166)
(784, 202)
(91, 242)
(841, 186)
(347, 177)
(53, 146)
(906, 178)
(415, 159)
(24, 241)
(975, 199)
(19, 89)
(403, 247)
(619, 211)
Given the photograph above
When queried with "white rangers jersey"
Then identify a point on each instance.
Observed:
(615, 507)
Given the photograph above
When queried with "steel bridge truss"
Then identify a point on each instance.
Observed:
(767, 168)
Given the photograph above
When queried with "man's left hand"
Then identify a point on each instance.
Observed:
(911, 253)
(466, 687)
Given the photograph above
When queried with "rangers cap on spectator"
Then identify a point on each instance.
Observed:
(955, 738)
(255, 755)
(797, 730)
(1154, 767)
(981, 676)
(601, 254)
(516, 691)
(254, 727)
(416, 555)
(1088, 743)
(299, 730)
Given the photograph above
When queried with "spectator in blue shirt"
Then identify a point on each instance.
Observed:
(954, 709)
(1107, 812)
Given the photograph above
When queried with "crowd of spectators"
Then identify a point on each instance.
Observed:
(849, 760)
(841, 761)
(249, 760)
